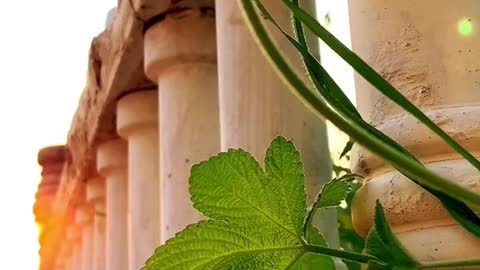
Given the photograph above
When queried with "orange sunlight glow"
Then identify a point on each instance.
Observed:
(43, 59)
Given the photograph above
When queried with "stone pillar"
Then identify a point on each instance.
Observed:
(74, 239)
(52, 160)
(137, 122)
(87, 239)
(432, 58)
(96, 196)
(256, 106)
(84, 219)
(64, 256)
(112, 164)
(180, 54)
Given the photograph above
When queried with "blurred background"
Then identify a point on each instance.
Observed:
(43, 61)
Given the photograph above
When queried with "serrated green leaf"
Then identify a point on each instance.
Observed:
(331, 195)
(233, 187)
(335, 191)
(256, 216)
(384, 245)
(219, 245)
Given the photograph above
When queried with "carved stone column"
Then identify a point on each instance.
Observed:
(256, 106)
(112, 164)
(180, 54)
(52, 160)
(137, 122)
(96, 196)
(75, 241)
(432, 58)
(84, 219)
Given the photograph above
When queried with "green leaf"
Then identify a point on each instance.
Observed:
(335, 191)
(348, 147)
(384, 245)
(349, 239)
(256, 216)
(218, 245)
(233, 187)
(331, 195)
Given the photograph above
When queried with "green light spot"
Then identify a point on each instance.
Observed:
(465, 27)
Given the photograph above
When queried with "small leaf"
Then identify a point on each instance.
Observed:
(348, 147)
(349, 239)
(332, 194)
(335, 191)
(384, 245)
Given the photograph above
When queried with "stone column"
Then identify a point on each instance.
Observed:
(63, 258)
(74, 239)
(96, 196)
(112, 164)
(84, 219)
(87, 239)
(137, 122)
(433, 59)
(256, 106)
(180, 54)
(52, 160)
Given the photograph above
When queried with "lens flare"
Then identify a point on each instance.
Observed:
(465, 27)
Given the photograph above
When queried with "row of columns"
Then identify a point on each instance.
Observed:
(215, 91)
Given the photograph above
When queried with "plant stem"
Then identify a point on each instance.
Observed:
(342, 254)
(322, 109)
(449, 264)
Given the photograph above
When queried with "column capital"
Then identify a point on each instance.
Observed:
(182, 37)
(136, 111)
(112, 156)
(52, 154)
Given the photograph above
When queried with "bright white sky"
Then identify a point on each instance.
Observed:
(43, 56)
